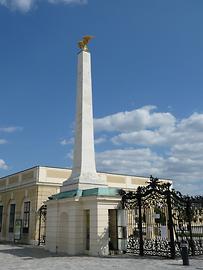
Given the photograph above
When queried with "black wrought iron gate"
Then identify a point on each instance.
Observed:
(159, 218)
(42, 212)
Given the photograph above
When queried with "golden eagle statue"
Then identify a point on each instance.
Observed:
(83, 43)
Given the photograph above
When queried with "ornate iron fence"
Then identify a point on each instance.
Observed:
(42, 225)
(159, 218)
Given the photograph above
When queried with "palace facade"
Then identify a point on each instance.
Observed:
(22, 195)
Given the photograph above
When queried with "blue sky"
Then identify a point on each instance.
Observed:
(147, 85)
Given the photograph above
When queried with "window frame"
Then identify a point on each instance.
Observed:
(1, 216)
(26, 217)
(12, 217)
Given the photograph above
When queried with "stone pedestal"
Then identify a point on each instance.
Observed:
(81, 225)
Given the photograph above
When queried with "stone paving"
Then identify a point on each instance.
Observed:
(28, 257)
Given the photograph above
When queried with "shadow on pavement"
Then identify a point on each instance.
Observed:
(27, 252)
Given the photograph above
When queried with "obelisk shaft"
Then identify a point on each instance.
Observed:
(84, 175)
(84, 154)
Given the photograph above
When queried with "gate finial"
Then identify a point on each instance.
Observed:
(153, 182)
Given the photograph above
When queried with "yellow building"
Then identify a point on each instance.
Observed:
(23, 193)
(21, 196)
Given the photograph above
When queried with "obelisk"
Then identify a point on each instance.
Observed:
(84, 175)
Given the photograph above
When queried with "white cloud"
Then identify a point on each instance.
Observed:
(80, 2)
(69, 155)
(130, 161)
(22, 5)
(186, 174)
(194, 122)
(26, 5)
(66, 142)
(142, 137)
(3, 165)
(159, 144)
(71, 141)
(100, 140)
(3, 141)
(135, 120)
(10, 129)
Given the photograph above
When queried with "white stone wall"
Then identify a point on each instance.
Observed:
(53, 176)
(51, 228)
(66, 225)
(99, 230)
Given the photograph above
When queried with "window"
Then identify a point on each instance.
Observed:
(1, 216)
(12, 217)
(26, 217)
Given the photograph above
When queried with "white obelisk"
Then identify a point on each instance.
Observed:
(84, 173)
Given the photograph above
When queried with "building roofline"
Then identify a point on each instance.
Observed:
(19, 172)
(132, 175)
(65, 168)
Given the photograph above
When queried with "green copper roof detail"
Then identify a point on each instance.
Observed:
(65, 194)
(108, 192)
(100, 192)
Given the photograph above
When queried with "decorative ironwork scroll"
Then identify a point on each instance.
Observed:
(160, 218)
(42, 212)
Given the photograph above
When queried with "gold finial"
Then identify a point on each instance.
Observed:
(83, 43)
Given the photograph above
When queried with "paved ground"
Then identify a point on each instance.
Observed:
(27, 257)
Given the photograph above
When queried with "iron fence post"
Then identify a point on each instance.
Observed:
(189, 216)
(139, 200)
(170, 224)
(39, 235)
